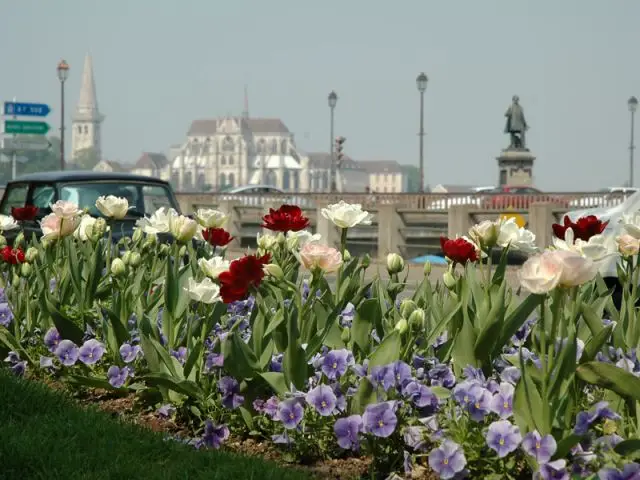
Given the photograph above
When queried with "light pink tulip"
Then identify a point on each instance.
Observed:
(54, 227)
(313, 255)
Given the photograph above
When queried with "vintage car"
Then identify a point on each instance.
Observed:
(145, 196)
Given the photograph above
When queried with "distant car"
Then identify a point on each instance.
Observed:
(518, 198)
(254, 189)
(145, 196)
(257, 195)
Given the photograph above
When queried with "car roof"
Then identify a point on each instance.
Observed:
(84, 175)
(251, 187)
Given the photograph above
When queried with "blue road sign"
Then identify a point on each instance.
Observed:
(26, 109)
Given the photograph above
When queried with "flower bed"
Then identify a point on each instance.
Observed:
(462, 378)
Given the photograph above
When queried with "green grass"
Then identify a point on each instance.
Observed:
(44, 435)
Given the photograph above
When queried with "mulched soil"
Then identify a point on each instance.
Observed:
(126, 408)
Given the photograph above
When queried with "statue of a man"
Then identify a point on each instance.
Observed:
(516, 125)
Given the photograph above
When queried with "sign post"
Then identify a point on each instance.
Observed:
(17, 127)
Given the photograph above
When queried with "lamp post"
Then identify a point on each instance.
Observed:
(421, 82)
(63, 74)
(633, 105)
(333, 99)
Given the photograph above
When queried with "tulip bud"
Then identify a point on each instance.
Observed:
(164, 249)
(346, 256)
(395, 263)
(31, 254)
(281, 239)
(346, 335)
(137, 235)
(449, 279)
(628, 246)
(485, 233)
(402, 326)
(183, 251)
(266, 242)
(427, 269)
(416, 320)
(407, 307)
(135, 259)
(126, 258)
(273, 270)
(19, 240)
(25, 270)
(16, 279)
(151, 240)
(118, 267)
(3, 241)
(98, 229)
(366, 261)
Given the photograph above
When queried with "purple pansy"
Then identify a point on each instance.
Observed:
(382, 375)
(52, 339)
(630, 471)
(584, 420)
(290, 413)
(347, 431)
(335, 363)
(166, 410)
(502, 402)
(510, 375)
(91, 352)
(447, 460)
(347, 315)
(503, 437)
(214, 435)
(6, 315)
(117, 376)
(180, 355)
(442, 376)
(414, 437)
(46, 362)
(420, 395)
(230, 390)
(129, 352)
(67, 352)
(379, 419)
(556, 470)
(474, 397)
(539, 447)
(213, 360)
(322, 399)
(401, 373)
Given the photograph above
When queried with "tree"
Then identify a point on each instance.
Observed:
(30, 161)
(87, 158)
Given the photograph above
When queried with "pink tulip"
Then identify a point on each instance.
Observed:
(325, 258)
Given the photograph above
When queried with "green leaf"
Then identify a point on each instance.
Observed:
(516, 319)
(498, 276)
(485, 343)
(274, 322)
(464, 343)
(388, 351)
(194, 356)
(276, 381)
(441, 392)
(595, 344)
(247, 417)
(183, 387)
(591, 318)
(365, 395)
(119, 330)
(612, 378)
(10, 341)
(527, 402)
(165, 357)
(565, 445)
(171, 287)
(66, 328)
(367, 315)
(628, 448)
(150, 354)
(239, 359)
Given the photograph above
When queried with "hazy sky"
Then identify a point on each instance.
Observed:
(161, 64)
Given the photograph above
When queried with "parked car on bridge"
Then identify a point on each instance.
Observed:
(145, 196)
(256, 195)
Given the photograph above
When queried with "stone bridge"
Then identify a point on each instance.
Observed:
(409, 224)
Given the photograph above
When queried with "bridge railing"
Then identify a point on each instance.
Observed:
(428, 201)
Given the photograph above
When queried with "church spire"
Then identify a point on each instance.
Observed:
(87, 109)
(245, 113)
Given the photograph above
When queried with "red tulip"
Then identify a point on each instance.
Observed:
(217, 237)
(27, 212)
(12, 255)
(288, 218)
(459, 250)
(243, 274)
(583, 229)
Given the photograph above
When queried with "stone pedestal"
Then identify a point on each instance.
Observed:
(515, 166)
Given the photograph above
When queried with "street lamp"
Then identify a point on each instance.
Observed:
(63, 74)
(333, 99)
(421, 82)
(633, 106)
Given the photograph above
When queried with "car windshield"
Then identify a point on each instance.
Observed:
(144, 199)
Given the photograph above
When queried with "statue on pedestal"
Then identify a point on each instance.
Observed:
(516, 125)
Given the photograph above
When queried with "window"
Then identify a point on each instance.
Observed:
(80, 129)
(155, 197)
(283, 147)
(16, 196)
(274, 146)
(223, 160)
(223, 180)
(86, 129)
(227, 144)
(286, 180)
(232, 180)
(230, 160)
(42, 196)
(261, 147)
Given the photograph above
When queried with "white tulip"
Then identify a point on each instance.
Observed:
(631, 223)
(597, 248)
(628, 246)
(85, 228)
(213, 267)
(542, 273)
(486, 233)
(297, 240)
(183, 228)
(273, 270)
(65, 209)
(395, 263)
(267, 242)
(158, 222)
(113, 207)
(347, 215)
(205, 291)
(210, 218)
(7, 222)
(518, 238)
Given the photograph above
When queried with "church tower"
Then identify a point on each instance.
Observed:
(87, 119)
